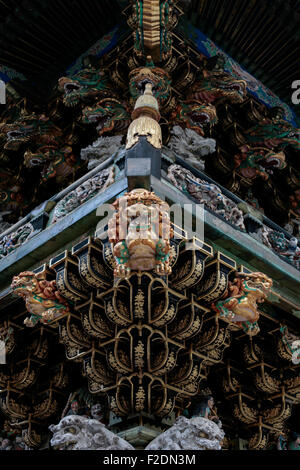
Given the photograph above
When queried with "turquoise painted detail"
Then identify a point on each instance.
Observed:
(254, 86)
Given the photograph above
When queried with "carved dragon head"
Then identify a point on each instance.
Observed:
(88, 83)
(240, 303)
(109, 114)
(159, 79)
(25, 129)
(257, 161)
(216, 86)
(274, 131)
(55, 162)
(195, 115)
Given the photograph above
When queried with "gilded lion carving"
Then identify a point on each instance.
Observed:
(42, 298)
(242, 296)
(140, 232)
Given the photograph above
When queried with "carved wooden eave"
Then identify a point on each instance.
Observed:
(145, 331)
(151, 325)
(32, 438)
(11, 407)
(94, 332)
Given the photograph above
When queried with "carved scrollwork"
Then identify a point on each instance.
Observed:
(119, 352)
(165, 359)
(47, 407)
(32, 438)
(39, 349)
(188, 322)
(188, 373)
(97, 372)
(11, 405)
(8, 336)
(26, 375)
(230, 383)
(60, 379)
(108, 255)
(252, 353)
(215, 280)
(242, 411)
(190, 267)
(4, 379)
(94, 320)
(292, 387)
(91, 267)
(68, 280)
(277, 415)
(117, 305)
(259, 440)
(165, 307)
(214, 339)
(144, 393)
(73, 338)
(265, 382)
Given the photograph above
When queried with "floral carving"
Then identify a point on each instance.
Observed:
(83, 193)
(206, 193)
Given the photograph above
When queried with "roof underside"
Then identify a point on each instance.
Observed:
(40, 39)
(262, 35)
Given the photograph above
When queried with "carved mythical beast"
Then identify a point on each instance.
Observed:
(31, 129)
(109, 114)
(89, 83)
(195, 115)
(81, 433)
(57, 163)
(140, 232)
(42, 298)
(190, 146)
(257, 161)
(45, 142)
(189, 434)
(242, 296)
(216, 85)
(287, 248)
(159, 79)
(274, 131)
